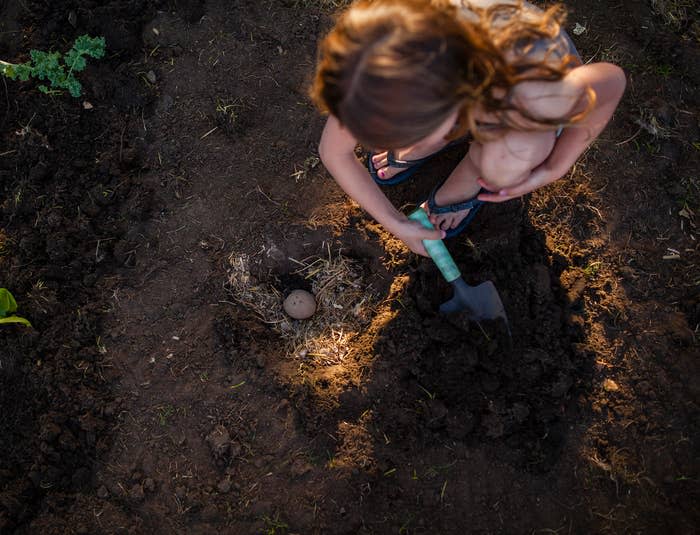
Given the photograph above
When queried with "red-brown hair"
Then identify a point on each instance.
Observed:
(392, 71)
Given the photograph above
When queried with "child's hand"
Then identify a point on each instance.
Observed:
(412, 233)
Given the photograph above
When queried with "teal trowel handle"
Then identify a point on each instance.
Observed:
(436, 249)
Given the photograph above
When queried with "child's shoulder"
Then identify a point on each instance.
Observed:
(547, 99)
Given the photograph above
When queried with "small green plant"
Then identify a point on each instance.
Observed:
(164, 413)
(592, 269)
(56, 68)
(274, 524)
(8, 305)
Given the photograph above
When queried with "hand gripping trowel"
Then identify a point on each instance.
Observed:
(480, 302)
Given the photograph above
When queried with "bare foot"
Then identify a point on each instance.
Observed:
(460, 187)
(423, 148)
(414, 152)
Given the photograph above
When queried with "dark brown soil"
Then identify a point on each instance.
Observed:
(151, 396)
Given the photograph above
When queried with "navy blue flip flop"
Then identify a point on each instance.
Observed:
(409, 166)
(473, 205)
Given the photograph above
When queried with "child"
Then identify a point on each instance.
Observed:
(405, 78)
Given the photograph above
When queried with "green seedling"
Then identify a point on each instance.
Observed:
(8, 305)
(58, 69)
(272, 525)
(164, 413)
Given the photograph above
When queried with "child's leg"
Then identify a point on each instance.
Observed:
(503, 162)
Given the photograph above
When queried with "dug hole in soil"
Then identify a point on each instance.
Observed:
(151, 236)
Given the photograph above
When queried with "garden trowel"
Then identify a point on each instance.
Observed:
(480, 302)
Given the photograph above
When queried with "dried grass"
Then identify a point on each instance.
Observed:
(675, 13)
(649, 122)
(344, 306)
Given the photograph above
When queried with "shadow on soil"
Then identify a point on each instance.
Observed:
(416, 382)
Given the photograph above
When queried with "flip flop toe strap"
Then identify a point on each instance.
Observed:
(456, 207)
(393, 162)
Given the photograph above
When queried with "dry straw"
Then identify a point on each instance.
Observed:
(344, 305)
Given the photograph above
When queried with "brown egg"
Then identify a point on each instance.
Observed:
(300, 304)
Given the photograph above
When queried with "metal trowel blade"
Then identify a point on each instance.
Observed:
(481, 302)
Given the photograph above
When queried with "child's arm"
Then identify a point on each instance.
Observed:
(337, 151)
(557, 99)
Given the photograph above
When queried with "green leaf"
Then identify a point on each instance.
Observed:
(46, 66)
(16, 319)
(92, 46)
(74, 86)
(74, 60)
(7, 302)
(7, 69)
(57, 69)
(22, 71)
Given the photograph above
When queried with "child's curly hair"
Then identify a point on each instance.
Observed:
(392, 71)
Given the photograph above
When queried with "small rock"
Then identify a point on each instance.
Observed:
(224, 485)
(151, 77)
(73, 18)
(610, 386)
(219, 440)
(102, 492)
(136, 493)
(180, 492)
(149, 484)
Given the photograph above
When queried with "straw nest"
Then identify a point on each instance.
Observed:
(345, 304)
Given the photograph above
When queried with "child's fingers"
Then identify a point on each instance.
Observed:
(436, 234)
(538, 178)
(520, 189)
(535, 181)
(420, 249)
